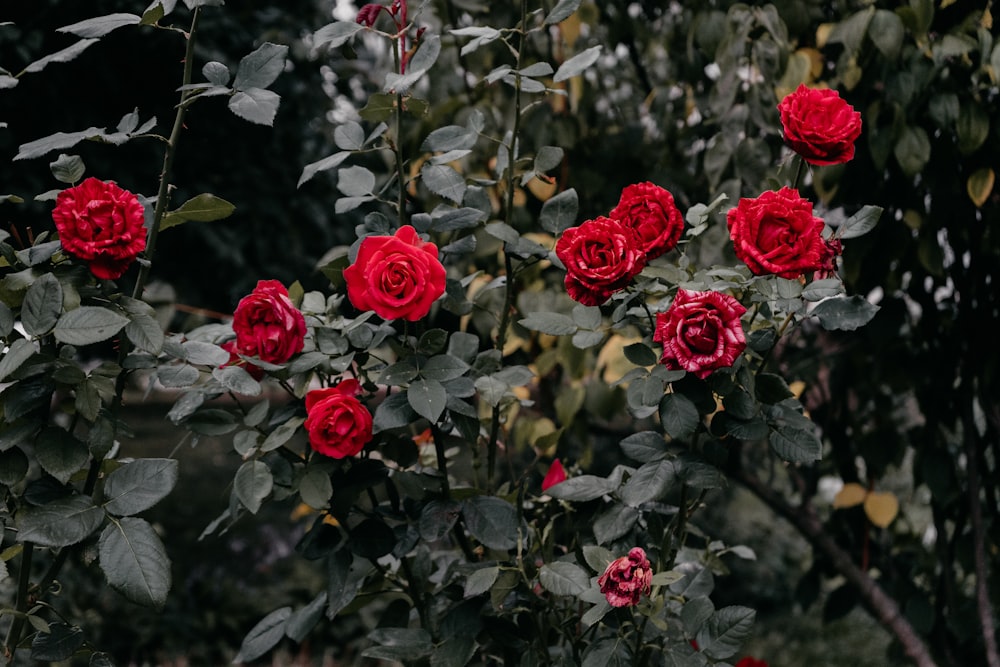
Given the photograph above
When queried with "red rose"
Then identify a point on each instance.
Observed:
(267, 325)
(102, 224)
(601, 256)
(555, 475)
(626, 578)
(750, 661)
(819, 125)
(778, 233)
(700, 332)
(338, 425)
(396, 276)
(651, 212)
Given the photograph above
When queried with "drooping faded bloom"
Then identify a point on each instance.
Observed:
(626, 579)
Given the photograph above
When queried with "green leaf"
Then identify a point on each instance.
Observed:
(795, 445)
(563, 578)
(302, 621)
(582, 488)
(255, 105)
(18, 353)
(177, 376)
(678, 415)
(818, 290)
(62, 56)
(60, 523)
(399, 644)
(612, 652)
(428, 398)
(598, 558)
(577, 64)
(201, 208)
(450, 138)
(88, 324)
(912, 150)
(725, 632)
(887, 32)
(972, 127)
(492, 521)
(480, 581)
(345, 576)
(615, 523)
(60, 454)
(134, 561)
(58, 644)
(237, 380)
(650, 482)
(6, 320)
(444, 181)
(264, 636)
(562, 11)
(101, 25)
(355, 181)
(315, 488)
(843, 313)
(851, 31)
(42, 305)
(548, 157)
(555, 324)
(393, 412)
(640, 354)
(260, 68)
(139, 485)
(335, 34)
(252, 484)
(349, 136)
(695, 613)
(325, 164)
(860, 223)
(443, 367)
(54, 142)
(771, 388)
(67, 168)
(559, 212)
(145, 333)
(200, 353)
(644, 446)
(282, 434)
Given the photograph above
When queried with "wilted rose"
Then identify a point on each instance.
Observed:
(778, 233)
(337, 423)
(651, 212)
(601, 256)
(819, 125)
(700, 332)
(626, 579)
(102, 224)
(398, 277)
(268, 325)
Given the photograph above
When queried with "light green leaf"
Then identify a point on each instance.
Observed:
(843, 313)
(577, 64)
(336, 34)
(444, 181)
(134, 561)
(256, 105)
(281, 434)
(145, 333)
(18, 352)
(264, 636)
(67, 168)
(252, 484)
(303, 620)
(60, 523)
(216, 73)
(582, 488)
(555, 324)
(428, 398)
(201, 208)
(481, 581)
(101, 25)
(563, 578)
(860, 223)
(139, 485)
(237, 380)
(88, 324)
(259, 69)
(355, 181)
(559, 212)
(55, 142)
(349, 136)
(42, 305)
(62, 56)
(562, 11)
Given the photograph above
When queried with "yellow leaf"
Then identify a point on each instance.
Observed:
(980, 185)
(881, 508)
(823, 33)
(850, 495)
(542, 189)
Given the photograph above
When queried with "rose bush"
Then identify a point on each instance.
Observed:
(819, 125)
(101, 224)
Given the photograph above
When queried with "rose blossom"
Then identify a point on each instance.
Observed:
(819, 125)
(651, 212)
(626, 578)
(338, 424)
(601, 256)
(102, 224)
(555, 475)
(267, 325)
(396, 276)
(700, 332)
(778, 233)
(750, 661)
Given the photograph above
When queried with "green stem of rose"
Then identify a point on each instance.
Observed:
(799, 172)
(781, 332)
(17, 625)
(397, 148)
(491, 446)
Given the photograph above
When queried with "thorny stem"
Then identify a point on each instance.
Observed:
(491, 446)
(799, 171)
(23, 580)
(396, 144)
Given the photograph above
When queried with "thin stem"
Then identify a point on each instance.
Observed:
(781, 332)
(23, 581)
(491, 446)
(799, 171)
